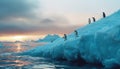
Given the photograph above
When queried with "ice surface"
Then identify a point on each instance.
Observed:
(97, 42)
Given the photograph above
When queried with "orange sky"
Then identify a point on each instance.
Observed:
(22, 20)
(20, 38)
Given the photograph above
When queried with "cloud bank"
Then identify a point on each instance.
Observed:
(16, 8)
(39, 17)
(19, 17)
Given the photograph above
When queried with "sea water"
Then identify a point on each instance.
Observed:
(8, 59)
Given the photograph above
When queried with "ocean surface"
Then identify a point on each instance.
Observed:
(8, 59)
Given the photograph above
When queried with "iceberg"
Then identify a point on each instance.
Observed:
(98, 42)
(49, 38)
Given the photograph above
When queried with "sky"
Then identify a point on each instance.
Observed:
(33, 19)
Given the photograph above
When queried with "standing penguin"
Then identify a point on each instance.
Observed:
(89, 20)
(93, 19)
(76, 33)
(65, 37)
(104, 15)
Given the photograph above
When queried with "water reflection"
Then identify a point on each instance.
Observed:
(18, 49)
(21, 63)
(7, 59)
(14, 63)
(10, 61)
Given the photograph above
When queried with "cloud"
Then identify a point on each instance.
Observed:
(49, 25)
(55, 20)
(15, 16)
(19, 17)
(17, 8)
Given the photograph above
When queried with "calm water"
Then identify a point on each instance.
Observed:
(10, 61)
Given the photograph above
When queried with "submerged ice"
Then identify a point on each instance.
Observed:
(96, 42)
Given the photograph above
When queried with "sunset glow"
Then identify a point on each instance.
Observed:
(13, 38)
(23, 20)
(20, 38)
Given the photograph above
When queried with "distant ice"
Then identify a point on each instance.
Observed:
(49, 38)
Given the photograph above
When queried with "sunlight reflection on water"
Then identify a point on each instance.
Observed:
(7, 59)
(18, 47)
(21, 63)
